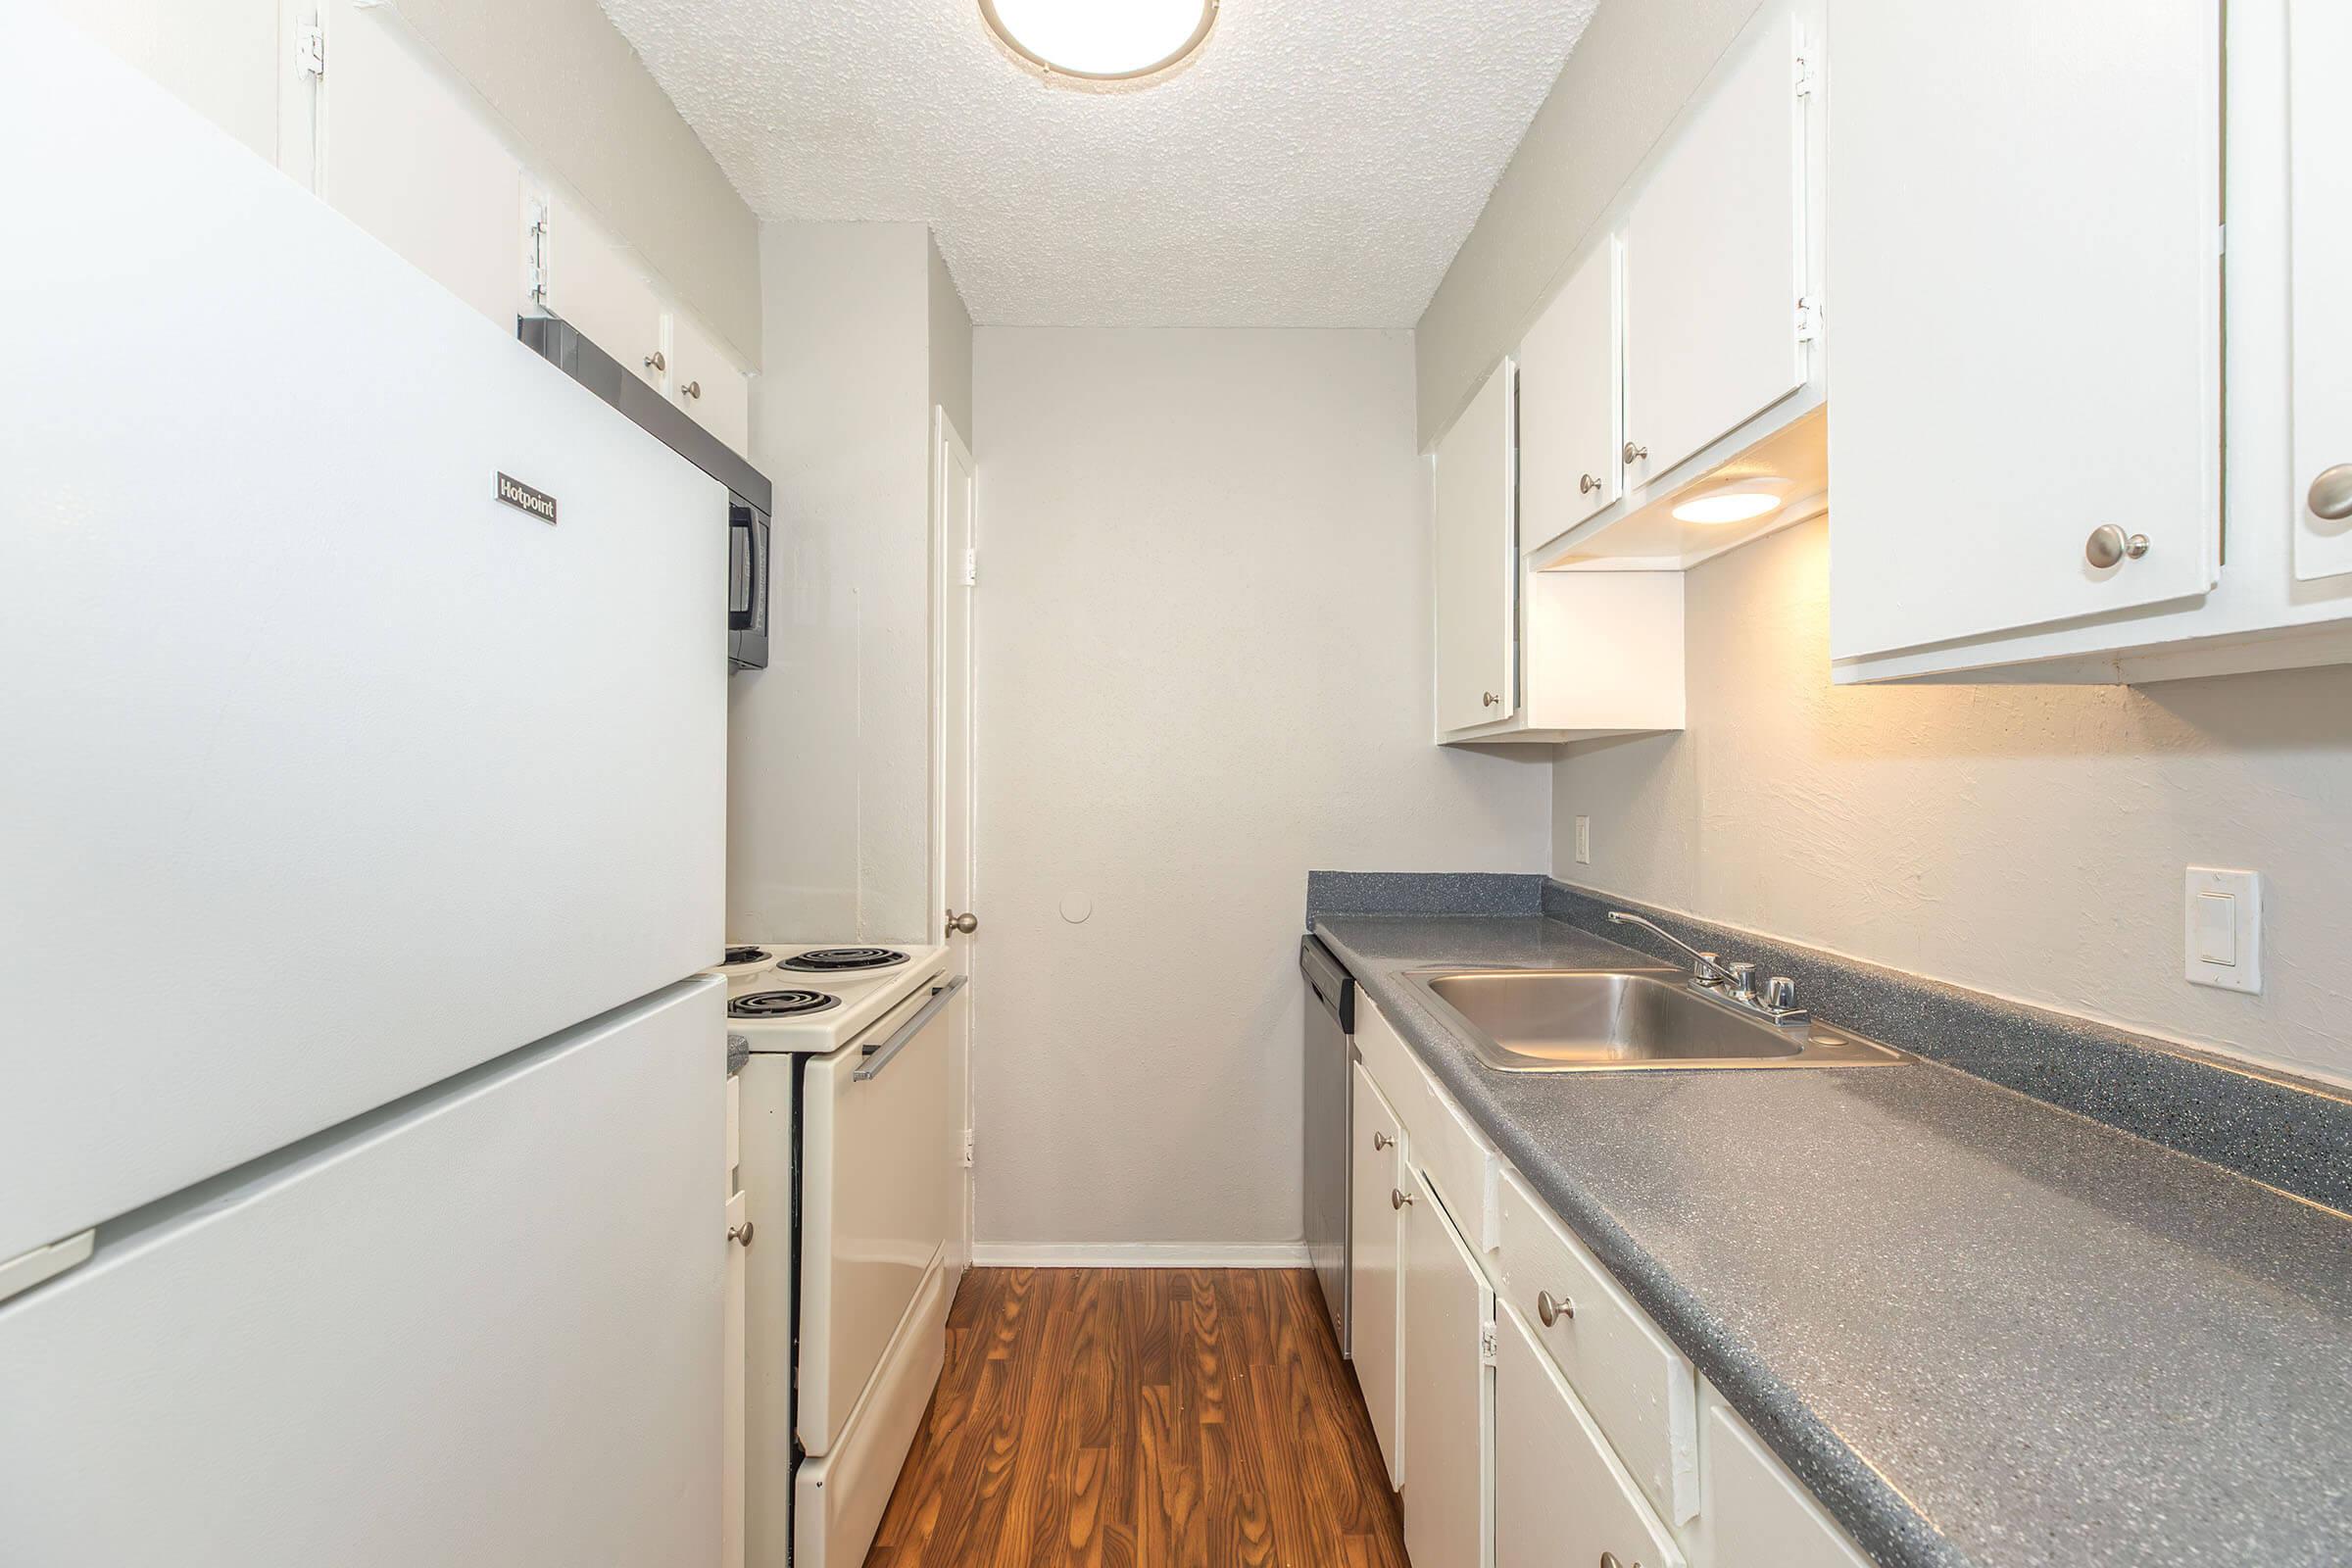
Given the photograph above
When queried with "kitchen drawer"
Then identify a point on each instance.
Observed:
(1636, 1384)
(1438, 1138)
(1561, 1497)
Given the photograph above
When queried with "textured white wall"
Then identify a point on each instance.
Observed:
(1202, 632)
(2020, 840)
(828, 764)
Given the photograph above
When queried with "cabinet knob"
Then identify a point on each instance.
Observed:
(1635, 454)
(2110, 546)
(741, 1233)
(692, 389)
(1489, 699)
(1609, 1559)
(963, 924)
(1550, 1309)
(1397, 1199)
(655, 362)
(1383, 1140)
(1585, 484)
(2332, 492)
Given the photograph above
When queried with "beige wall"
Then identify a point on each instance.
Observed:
(557, 72)
(829, 747)
(1628, 77)
(2025, 841)
(1202, 629)
(951, 347)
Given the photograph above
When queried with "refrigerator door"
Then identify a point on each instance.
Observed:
(484, 1329)
(376, 775)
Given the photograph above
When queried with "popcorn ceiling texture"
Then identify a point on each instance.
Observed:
(1318, 165)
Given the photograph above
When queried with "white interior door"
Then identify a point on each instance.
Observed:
(1477, 542)
(483, 1330)
(2320, 39)
(956, 508)
(1570, 391)
(346, 747)
(1714, 263)
(2025, 226)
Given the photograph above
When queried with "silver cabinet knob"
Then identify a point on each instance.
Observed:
(740, 1235)
(2332, 492)
(1635, 454)
(1383, 1140)
(962, 925)
(1609, 1559)
(1397, 1199)
(655, 362)
(1489, 700)
(2110, 546)
(1550, 1309)
(1588, 483)
(692, 389)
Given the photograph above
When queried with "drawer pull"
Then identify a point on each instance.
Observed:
(1397, 1199)
(1383, 1140)
(1551, 1309)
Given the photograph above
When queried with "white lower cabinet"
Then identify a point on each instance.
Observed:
(1754, 1514)
(1562, 1499)
(1448, 1311)
(731, 1404)
(1375, 1174)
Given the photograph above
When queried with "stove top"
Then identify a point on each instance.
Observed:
(793, 1004)
(738, 957)
(841, 960)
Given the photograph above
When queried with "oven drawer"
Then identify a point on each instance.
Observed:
(879, 1161)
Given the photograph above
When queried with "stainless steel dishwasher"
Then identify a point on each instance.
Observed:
(1328, 1064)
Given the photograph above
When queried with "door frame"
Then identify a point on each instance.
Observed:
(948, 576)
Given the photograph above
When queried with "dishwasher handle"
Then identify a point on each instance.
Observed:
(878, 1057)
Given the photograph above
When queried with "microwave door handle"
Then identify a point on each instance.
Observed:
(738, 566)
(878, 1057)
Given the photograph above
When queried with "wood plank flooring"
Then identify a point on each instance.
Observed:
(1142, 1418)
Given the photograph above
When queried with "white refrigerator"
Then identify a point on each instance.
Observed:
(360, 1126)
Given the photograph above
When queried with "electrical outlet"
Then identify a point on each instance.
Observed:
(2221, 928)
(1583, 840)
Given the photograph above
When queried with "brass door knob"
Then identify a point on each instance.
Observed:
(1397, 1199)
(962, 925)
(741, 1233)
(1550, 1309)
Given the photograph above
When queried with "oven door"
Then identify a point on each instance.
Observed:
(746, 584)
(879, 1189)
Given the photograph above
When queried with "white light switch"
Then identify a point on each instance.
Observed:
(1583, 840)
(2224, 937)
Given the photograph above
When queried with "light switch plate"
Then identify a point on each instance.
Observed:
(2221, 928)
(1583, 840)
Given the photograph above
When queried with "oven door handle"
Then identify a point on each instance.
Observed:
(878, 1057)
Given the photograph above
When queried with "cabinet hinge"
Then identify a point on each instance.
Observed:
(1806, 81)
(535, 254)
(28, 1269)
(1808, 319)
(968, 1148)
(1486, 1345)
(971, 569)
(310, 49)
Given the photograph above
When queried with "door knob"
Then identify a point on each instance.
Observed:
(1550, 1309)
(1383, 1140)
(1587, 483)
(1635, 454)
(2332, 492)
(965, 924)
(741, 1233)
(1397, 1199)
(2109, 545)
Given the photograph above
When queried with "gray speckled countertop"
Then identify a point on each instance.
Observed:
(1984, 1330)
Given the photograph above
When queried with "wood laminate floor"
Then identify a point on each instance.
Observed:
(1142, 1418)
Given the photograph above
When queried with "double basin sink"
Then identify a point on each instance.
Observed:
(1623, 1020)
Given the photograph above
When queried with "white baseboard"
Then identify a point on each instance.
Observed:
(1138, 1254)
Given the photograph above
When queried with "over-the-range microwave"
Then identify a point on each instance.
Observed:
(751, 498)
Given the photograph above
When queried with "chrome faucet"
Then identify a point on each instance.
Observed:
(1735, 983)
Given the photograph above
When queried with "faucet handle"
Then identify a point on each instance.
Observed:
(1743, 976)
(1780, 993)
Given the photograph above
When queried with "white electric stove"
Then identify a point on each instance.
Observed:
(852, 1121)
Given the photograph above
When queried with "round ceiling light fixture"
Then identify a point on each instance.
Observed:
(1090, 44)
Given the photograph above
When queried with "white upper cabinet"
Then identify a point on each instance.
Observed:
(1478, 560)
(1715, 262)
(2321, 151)
(1570, 382)
(590, 283)
(2024, 234)
(705, 383)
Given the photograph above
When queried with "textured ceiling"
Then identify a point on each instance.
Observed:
(1317, 165)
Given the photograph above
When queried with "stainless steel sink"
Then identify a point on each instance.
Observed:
(1608, 1020)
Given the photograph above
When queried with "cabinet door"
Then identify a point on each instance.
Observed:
(731, 1366)
(596, 286)
(1569, 389)
(1714, 263)
(1754, 1513)
(1478, 560)
(1376, 1171)
(2024, 226)
(405, 154)
(705, 383)
(1561, 1497)
(2321, 35)
(1448, 1406)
